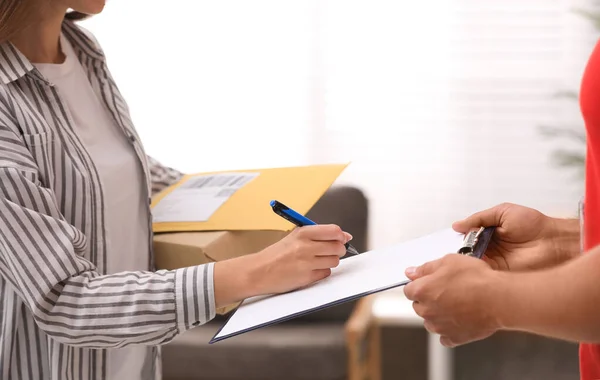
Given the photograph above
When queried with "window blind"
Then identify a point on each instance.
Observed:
(438, 105)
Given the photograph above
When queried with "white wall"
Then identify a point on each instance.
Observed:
(435, 103)
(212, 84)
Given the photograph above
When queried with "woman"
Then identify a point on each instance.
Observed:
(78, 297)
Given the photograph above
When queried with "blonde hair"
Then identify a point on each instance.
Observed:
(13, 17)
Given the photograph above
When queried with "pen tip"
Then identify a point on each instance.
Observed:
(352, 250)
(272, 203)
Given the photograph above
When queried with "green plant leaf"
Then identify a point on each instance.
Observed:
(592, 16)
(576, 134)
(566, 95)
(562, 157)
(569, 158)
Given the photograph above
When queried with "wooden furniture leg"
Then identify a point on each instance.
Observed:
(363, 339)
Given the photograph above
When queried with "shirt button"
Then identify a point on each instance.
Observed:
(132, 138)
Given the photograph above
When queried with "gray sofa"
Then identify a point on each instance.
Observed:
(311, 347)
(503, 356)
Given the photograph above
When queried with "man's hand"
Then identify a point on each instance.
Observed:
(525, 239)
(454, 297)
(464, 300)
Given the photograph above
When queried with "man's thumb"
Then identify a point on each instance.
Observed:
(486, 218)
(414, 273)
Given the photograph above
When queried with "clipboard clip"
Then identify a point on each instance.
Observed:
(470, 241)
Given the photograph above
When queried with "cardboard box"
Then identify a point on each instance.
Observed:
(248, 208)
(245, 223)
(183, 249)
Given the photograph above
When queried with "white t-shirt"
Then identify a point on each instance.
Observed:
(126, 215)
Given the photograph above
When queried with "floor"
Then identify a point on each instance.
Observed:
(503, 356)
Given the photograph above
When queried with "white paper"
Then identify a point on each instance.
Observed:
(370, 271)
(199, 197)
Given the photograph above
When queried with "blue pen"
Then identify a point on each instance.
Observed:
(300, 220)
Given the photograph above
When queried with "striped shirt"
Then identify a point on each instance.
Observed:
(59, 310)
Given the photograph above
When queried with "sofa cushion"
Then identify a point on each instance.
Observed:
(347, 207)
(306, 351)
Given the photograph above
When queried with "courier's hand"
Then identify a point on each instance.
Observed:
(303, 257)
(525, 238)
(455, 297)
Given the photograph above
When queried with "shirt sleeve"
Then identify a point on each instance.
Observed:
(162, 176)
(41, 259)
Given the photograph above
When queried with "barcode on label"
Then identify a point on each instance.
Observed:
(223, 181)
(199, 197)
(226, 193)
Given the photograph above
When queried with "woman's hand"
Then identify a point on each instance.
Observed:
(525, 239)
(303, 257)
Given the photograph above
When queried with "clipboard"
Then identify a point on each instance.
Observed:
(474, 243)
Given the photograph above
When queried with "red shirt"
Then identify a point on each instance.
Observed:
(589, 354)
